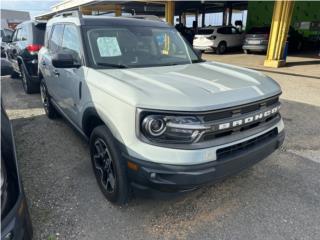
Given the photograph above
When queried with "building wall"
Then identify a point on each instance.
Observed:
(260, 13)
(12, 17)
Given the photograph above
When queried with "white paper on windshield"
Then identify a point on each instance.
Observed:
(108, 47)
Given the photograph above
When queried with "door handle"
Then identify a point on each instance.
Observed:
(56, 73)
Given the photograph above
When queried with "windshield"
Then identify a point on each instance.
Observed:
(131, 46)
(259, 30)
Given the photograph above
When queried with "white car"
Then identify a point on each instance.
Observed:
(218, 39)
(157, 117)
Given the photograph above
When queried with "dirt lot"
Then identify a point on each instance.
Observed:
(279, 198)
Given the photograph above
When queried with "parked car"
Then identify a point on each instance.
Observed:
(6, 35)
(218, 39)
(23, 50)
(15, 219)
(257, 40)
(157, 117)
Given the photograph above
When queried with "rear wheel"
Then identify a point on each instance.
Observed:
(49, 109)
(222, 48)
(108, 166)
(28, 86)
(15, 75)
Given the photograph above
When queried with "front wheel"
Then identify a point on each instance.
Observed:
(108, 166)
(49, 109)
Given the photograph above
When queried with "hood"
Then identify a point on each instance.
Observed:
(191, 87)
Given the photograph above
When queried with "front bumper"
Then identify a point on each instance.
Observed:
(180, 178)
(16, 225)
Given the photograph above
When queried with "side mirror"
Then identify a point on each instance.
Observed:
(6, 67)
(6, 39)
(64, 60)
(198, 52)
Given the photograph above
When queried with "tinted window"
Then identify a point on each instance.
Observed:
(234, 31)
(222, 30)
(205, 31)
(56, 37)
(71, 40)
(38, 33)
(259, 30)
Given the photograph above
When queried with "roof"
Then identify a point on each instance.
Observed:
(107, 20)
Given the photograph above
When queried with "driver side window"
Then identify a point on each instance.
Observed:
(71, 42)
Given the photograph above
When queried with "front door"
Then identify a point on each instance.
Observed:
(71, 79)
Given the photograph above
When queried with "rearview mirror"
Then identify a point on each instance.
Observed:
(6, 67)
(64, 60)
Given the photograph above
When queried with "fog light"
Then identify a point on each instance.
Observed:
(153, 175)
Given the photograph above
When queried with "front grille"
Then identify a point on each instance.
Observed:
(233, 150)
(228, 113)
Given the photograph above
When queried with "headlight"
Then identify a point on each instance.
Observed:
(170, 129)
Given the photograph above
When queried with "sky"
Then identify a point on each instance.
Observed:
(35, 7)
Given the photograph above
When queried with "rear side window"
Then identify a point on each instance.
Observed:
(205, 31)
(56, 37)
(222, 30)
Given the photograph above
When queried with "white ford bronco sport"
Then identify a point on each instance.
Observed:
(157, 117)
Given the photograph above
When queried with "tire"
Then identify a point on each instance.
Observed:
(28, 86)
(222, 48)
(15, 75)
(108, 166)
(49, 109)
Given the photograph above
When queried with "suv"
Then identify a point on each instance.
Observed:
(257, 40)
(22, 52)
(157, 117)
(218, 39)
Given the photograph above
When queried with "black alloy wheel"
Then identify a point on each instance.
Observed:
(109, 166)
(103, 163)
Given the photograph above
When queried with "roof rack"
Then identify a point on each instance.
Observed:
(75, 13)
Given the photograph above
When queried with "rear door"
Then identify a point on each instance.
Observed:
(237, 37)
(71, 79)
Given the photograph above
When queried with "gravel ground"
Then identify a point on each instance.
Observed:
(279, 198)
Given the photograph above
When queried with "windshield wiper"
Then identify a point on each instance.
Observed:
(198, 61)
(112, 65)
